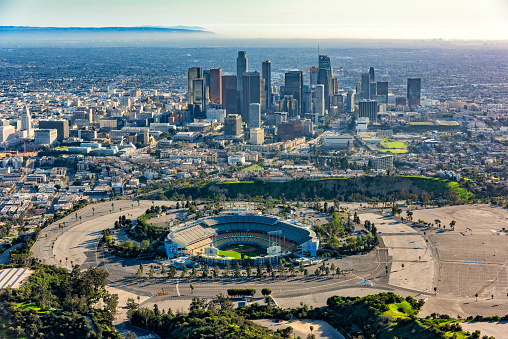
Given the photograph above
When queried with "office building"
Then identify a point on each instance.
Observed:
(217, 114)
(290, 105)
(216, 86)
(255, 115)
(26, 122)
(251, 92)
(368, 109)
(266, 75)
(350, 102)
(313, 75)
(199, 98)
(242, 66)
(194, 73)
(371, 74)
(229, 96)
(400, 101)
(325, 77)
(365, 87)
(274, 118)
(384, 162)
(293, 85)
(289, 130)
(257, 136)
(62, 126)
(233, 125)
(7, 133)
(414, 88)
(382, 89)
(46, 136)
(338, 141)
(319, 103)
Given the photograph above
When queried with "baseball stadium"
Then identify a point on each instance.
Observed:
(241, 234)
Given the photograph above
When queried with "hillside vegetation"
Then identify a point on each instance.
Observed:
(350, 189)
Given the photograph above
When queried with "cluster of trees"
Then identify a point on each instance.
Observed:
(123, 222)
(61, 299)
(238, 292)
(216, 318)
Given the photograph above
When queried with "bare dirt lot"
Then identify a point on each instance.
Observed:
(301, 328)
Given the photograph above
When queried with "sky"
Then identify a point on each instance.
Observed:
(307, 19)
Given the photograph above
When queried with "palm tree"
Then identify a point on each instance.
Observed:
(80, 219)
(93, 211)
(452, 224)
(476, 295)
(113, 206)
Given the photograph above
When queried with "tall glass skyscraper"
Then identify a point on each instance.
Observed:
(266, 74)
(325, 77)
(414, 89)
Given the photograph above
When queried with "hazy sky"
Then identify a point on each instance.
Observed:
(399, 19)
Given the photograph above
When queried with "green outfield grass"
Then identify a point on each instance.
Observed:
(237, 250)
(422, 123)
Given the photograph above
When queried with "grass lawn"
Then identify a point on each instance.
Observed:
(447, 123)
(393, 144)
(253, 167)
(233, 254)
(393, 150)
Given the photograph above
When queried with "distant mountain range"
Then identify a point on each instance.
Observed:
(136, 29)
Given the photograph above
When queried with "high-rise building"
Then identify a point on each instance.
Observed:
(62, 126)
(199, 98)
(26, 122)
(313, 75)
(372, 74)
(383, 162)
(365, 87)
(325, 77)
(257, 136)
(46, 136)
(216, 85)
(382, 89)
(289, 105)
(242, 66)
(414, 88)
(293, 85)
(194, 73)
(233, 125)
(266, 75)
(350, 102)
(251, 92)
(368, 109)
(319, 104)
(229, 93)
(7, 132)
(289, 130)
(206, 76)
(255, 115)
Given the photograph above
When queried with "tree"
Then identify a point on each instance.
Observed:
(113, 206)
(205, 271)
(237, 270)
(192, 288)
(338, 272)
(184, 272)
(249, 270)
(259, 270)
(476, 295)
(151, 272)
(172, 272)
(227, 270)
(93, 211)
(266, 291)
(216, 271)
(194, 273)
(452, 224)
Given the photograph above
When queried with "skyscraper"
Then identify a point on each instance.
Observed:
(251, 92)
(199, 98)
(62, 126)
(313, 75)
(365, 87)
(229, 84)
(350, 101)
(414, 88)
(26, 122)
(266, 74)
(382, 89)
(372, 74)
(319, 106)
(368, 109)
(233, 125)
(242, 66)
(255, 115)
(194, 73)
(216, 85)
(325, 77)
(293, 85)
